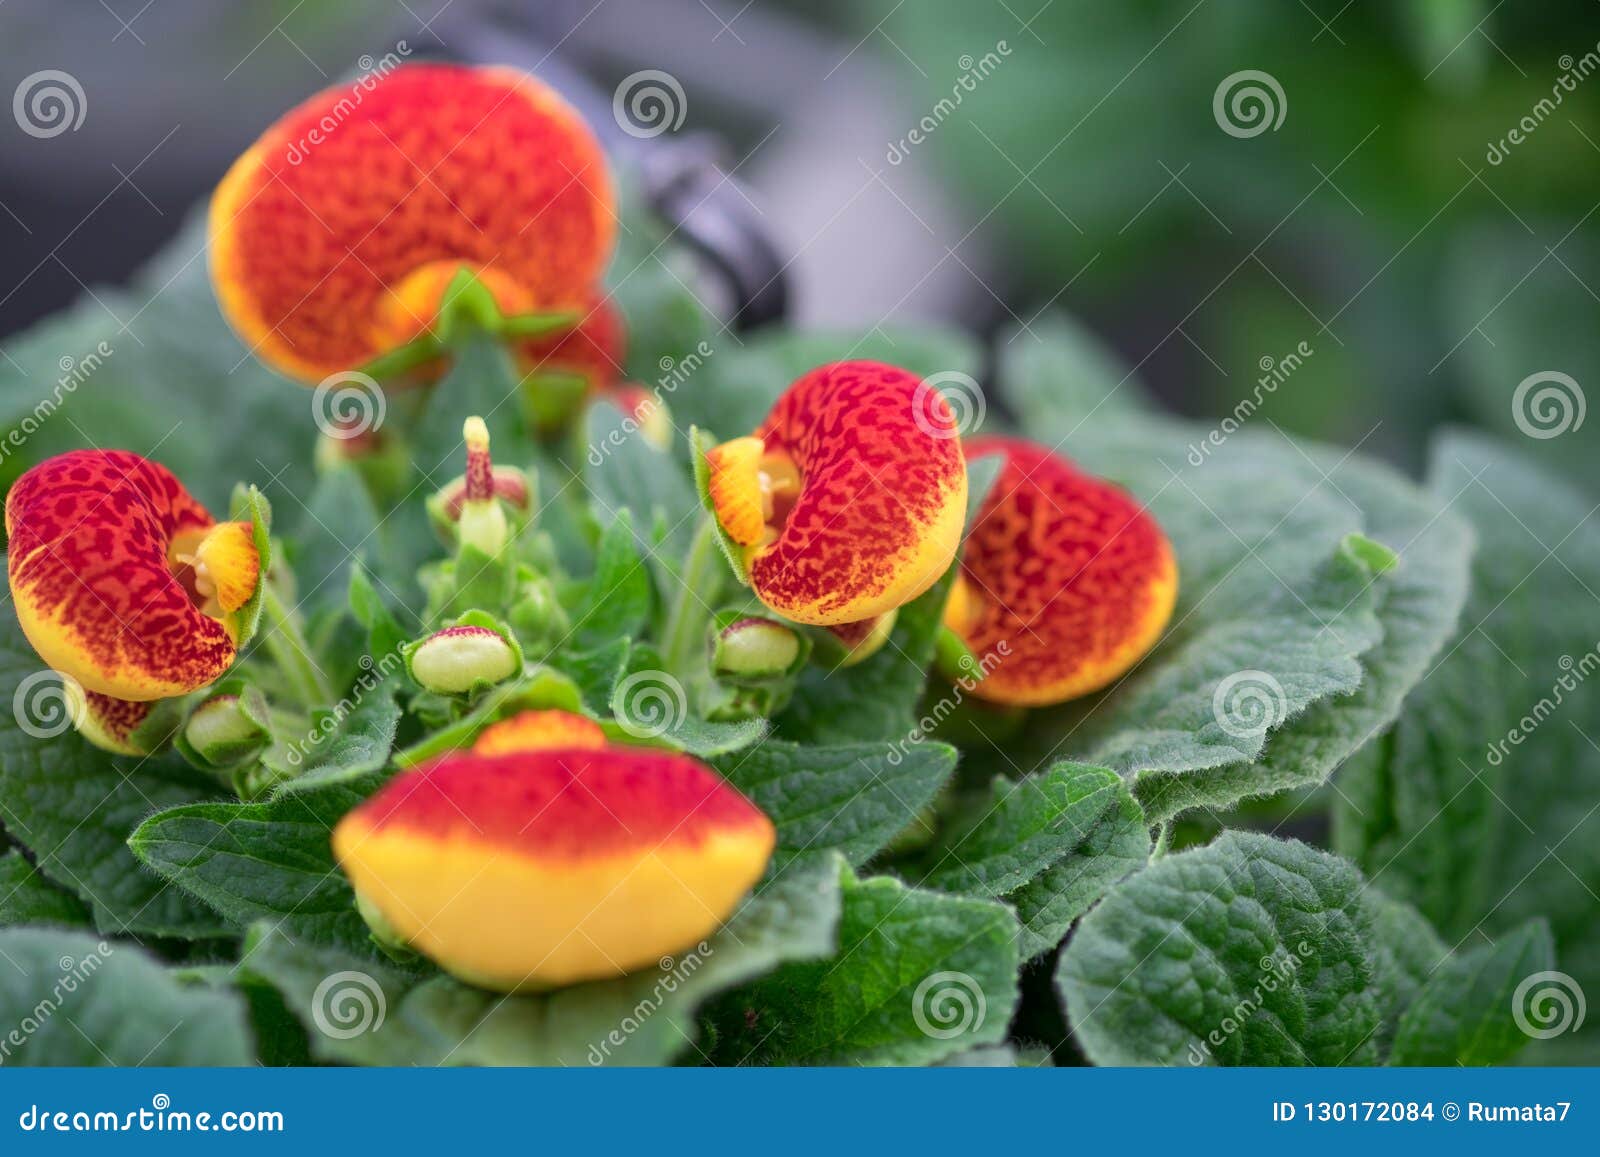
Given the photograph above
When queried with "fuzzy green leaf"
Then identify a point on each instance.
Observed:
(76, 1000)
(920, 976)
(1248, 951)
(1467, 1014)
(1482, 807)
(853, 798)
(26, 897)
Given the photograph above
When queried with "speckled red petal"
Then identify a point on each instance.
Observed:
(316, 230)
(881, 497)
(1066, 581)
(95, 539)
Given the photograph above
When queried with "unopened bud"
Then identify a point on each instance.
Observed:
(227, 729)
(754, 648)
(464, 658)
(121, 726)
(647, 411)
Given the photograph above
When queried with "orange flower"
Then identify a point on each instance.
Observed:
(122, 580)
(335, 236)
(544, 856)
(848, 501)
(1066, 582)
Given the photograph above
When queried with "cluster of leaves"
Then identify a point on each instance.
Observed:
(903, 867)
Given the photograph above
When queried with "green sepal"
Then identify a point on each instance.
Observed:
(248, 504)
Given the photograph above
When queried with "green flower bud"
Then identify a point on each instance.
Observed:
(753, 649)
(227, 729)
(464, 658)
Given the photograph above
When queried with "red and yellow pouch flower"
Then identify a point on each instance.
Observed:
(1066, 581)
(329, 255)
(123, 581)
(848, 502)
(546, 856)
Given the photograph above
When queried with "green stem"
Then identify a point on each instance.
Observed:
(287, 645)
(700, 581)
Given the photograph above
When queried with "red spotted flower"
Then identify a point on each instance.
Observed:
(336, 235)
(545, 856)
(1065, 580)
(848, 502)
(122, 581)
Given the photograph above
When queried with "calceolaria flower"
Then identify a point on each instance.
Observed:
(848, 502)
(546, 856)
(332, 254)
(122, 581)
(1065, 582)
